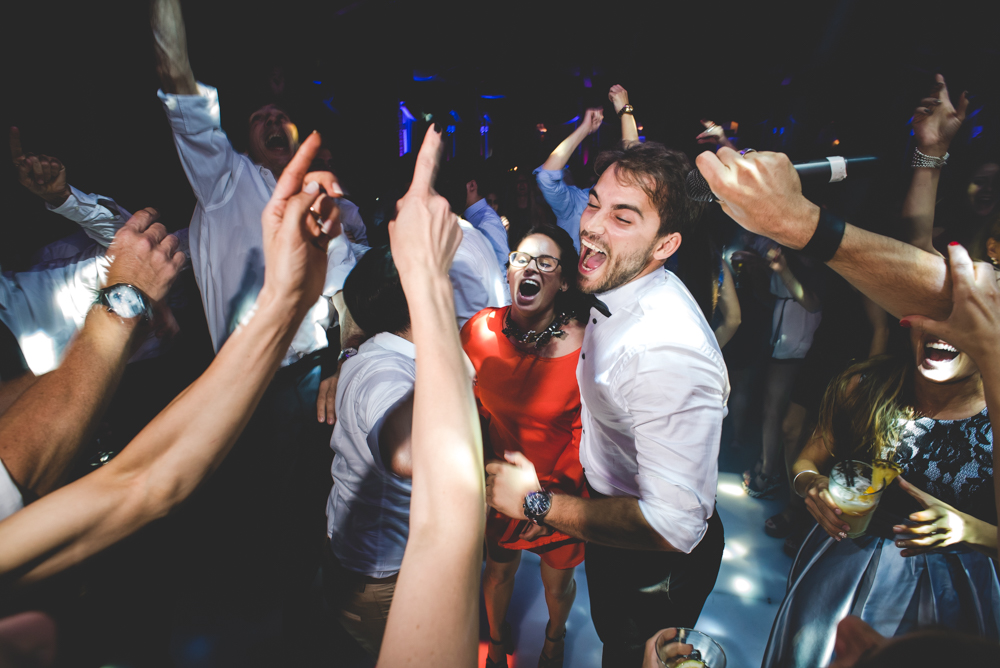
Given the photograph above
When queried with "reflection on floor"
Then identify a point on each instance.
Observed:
(738, 614)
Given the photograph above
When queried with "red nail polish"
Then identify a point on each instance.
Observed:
(904, 323)
(953, 243)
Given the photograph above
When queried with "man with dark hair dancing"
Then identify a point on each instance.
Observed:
(654, 388)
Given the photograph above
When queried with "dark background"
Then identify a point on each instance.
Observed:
(79, 82)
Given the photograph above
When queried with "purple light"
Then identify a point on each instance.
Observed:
(492, 97)
(572, 120)
(318, 82)
(786, 81)
(587, 83)
(976, 131)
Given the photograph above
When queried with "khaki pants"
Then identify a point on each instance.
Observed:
(360, 603)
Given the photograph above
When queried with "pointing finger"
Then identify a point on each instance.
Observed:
(427, 162)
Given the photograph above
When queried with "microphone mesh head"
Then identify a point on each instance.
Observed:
(697, 187)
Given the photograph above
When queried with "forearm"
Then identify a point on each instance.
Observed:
(630, 133)
(616, 522)
(561, 155)
(806, 298)
(41, 434)
(441, 565)
(162, 465)
(170, 48)
(918, 208)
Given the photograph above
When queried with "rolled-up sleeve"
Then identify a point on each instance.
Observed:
(567, 202)
(208, 158)
(100, 217)
(676, 399)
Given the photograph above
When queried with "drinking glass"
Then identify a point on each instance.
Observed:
(852, 488)
(706, 653)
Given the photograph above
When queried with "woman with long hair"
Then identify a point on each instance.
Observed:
(925, 558)
(525, 357)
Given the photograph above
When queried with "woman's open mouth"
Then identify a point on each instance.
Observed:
(939, 351)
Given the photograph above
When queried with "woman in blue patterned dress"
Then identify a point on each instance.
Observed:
(928, 557)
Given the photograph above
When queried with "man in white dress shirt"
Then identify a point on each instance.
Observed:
(654, 389)
(267, 488)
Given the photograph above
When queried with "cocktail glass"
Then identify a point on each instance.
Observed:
(852, 488)
(706, 653)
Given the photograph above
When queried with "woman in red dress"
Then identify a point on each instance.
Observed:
(525, 357)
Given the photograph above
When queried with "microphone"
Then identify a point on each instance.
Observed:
(828, 170)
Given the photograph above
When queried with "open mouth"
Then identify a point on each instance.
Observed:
(276, 141)
(591, 257)
(529, 288)
(939, 351)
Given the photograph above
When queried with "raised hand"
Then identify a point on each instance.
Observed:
(425, 233)
(298, 223)
(42, 175)
(974, 323)
(761, 191)
(713, 134)
(145, 256)
(776, 260)
(592, 119)
(936, 120)
(618, 97)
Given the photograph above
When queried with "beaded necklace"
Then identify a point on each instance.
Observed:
(537, 339)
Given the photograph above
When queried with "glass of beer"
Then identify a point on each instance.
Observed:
(705, 653)
(852, 486)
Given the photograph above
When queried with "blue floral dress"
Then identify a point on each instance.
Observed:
(955, 587)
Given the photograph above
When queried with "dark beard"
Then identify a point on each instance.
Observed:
(625, 269)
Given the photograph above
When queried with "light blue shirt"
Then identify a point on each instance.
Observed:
(485, 219)
(567, 202)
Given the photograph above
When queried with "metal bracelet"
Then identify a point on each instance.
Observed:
(924, 160)
(796, 489)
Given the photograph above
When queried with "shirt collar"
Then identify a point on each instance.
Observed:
(624, 295)
(396, 344)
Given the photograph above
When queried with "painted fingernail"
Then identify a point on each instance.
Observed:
(311, 188)
(335, 189)
(843, 535)
(899, 543)
(954, 243)
(899, 529)
(327, 226)
(904, 323)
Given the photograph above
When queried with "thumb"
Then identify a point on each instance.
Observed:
(518, 459)
(918, 494)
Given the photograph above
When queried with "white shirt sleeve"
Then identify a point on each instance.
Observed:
(99, 216)
(676, 401)
(350, 220)
(211, 164)
(471, 296)
(10, 496)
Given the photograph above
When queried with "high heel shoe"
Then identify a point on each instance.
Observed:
(508, 647)
(546, 661)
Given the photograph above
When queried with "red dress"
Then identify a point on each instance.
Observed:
(529, 404)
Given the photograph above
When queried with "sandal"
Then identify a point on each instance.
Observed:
(546, 661)
(507, 641)
(764, 491)
(750, 474)
(779, 526)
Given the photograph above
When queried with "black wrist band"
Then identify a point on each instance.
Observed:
(826, 239)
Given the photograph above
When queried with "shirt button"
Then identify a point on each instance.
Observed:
(595, 321)
(583, 355)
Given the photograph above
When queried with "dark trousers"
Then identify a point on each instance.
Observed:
(635, 593)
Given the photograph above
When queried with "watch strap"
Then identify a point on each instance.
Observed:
(146, 312)
(627, 109)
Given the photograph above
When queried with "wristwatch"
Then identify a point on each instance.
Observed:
(537, 505)
(126, 301)
(627, 109)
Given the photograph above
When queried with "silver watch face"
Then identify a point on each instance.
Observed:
(124, 301)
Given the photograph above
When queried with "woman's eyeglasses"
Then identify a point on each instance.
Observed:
(545, 263)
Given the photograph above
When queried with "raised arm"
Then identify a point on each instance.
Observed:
(592, 119)
(434, 618)
(619, 98)
(800, 293)
(714, 134)
(170, 48)
(729, 308)
(37, 450)
(761, 191)
(935, 123)
(188, 440)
